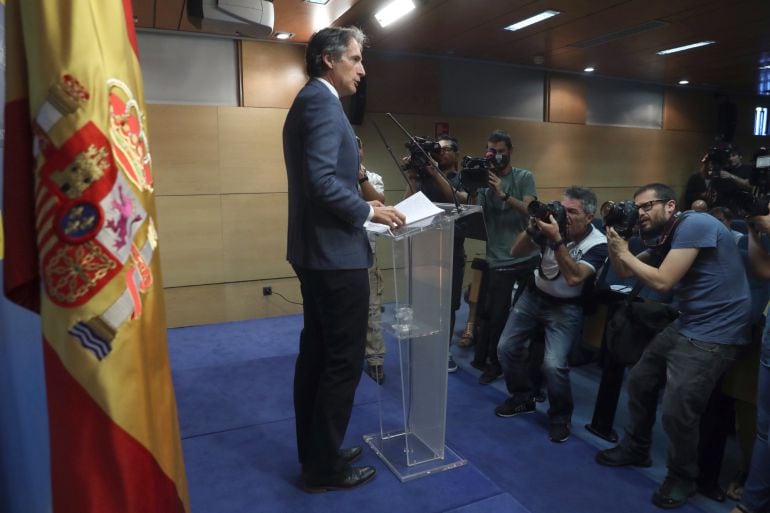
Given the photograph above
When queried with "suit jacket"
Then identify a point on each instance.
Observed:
(326, 212)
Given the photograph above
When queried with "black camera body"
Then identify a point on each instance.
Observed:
(544, 211)
(474, 173)
(418, 147)
(715, 161)
(622, 216)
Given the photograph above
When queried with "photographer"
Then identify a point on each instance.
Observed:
(504, 203)
(700, 262)
(721, 180)
(756, 493)
(571, 250)
(435, 184)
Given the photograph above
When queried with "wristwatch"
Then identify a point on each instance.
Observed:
(362, 180)
(505, 198)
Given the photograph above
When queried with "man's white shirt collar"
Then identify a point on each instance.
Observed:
(328, 85)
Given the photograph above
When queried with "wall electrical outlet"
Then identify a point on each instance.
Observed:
(267, 291)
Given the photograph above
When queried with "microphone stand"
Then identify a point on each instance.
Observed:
(430, 159)
(395, 160)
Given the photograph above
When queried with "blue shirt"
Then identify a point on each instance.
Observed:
(713, 296)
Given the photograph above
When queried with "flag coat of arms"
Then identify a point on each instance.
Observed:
(81, 247)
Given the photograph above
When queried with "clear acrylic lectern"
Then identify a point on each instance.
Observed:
(411, 440)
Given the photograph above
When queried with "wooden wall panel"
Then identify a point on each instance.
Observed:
(254, 236)
(195, 306)
(273, 73)
(190, 235)
(689, 110)
(566, 99)
(184, 149)
(251, 150)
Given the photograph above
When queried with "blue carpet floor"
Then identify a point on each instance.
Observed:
(233, 383)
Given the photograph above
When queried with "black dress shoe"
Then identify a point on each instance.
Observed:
(715, 494)
(346, 480)
(376, 372)
(350, 454)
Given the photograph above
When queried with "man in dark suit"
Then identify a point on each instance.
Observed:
(329, 251)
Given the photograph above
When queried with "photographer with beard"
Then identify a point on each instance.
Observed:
(571, 252)
(700, 263)
(504, 203)
(435, 184)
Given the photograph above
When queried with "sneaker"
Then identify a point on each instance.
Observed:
(619, 456)
(673, 493)
(491, 373)
(511, 408)
(452, 365)
(559, 432)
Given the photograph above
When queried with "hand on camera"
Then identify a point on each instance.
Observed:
(615, 243)
(550, 229)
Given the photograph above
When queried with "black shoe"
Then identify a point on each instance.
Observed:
(451, 365)
(376, 372)
(511, 408)
(673, 493)
(714, 493)
(478, 365)
(559, 433)
(350, 454)
(347, 479)
(620, 457)
(491, 373)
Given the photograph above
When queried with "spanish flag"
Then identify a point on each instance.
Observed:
(81, 248)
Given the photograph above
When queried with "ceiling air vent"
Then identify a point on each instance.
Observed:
(612, 36)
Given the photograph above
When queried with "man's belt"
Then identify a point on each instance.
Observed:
(554, 299)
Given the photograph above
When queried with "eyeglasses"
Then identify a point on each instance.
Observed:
(647, 206)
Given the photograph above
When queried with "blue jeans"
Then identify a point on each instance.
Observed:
(563, 323)
(756, 493)
(689, 370)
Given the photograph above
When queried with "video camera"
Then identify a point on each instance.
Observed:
(417, 159)
(622, 216)
(474, 173)
(543, 211)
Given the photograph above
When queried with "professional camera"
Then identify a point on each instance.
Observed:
(544, 211)
(715, 161)
(418, 147)
(622, 216)
(474, 173)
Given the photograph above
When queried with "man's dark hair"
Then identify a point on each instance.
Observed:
(332, 41)
(662, 191)
(500, 136)
(452, 141)
(726, 212)
(583, 194)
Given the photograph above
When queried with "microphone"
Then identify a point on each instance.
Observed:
(395, 160)
(430, 159)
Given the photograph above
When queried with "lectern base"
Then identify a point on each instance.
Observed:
(391, 449)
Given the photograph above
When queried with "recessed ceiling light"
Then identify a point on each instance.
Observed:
(766, 66)
(393, 11)
(684, 82)
(318, 2)
(534, 19)
(685, 47)
(283, 35)
(589, 69)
